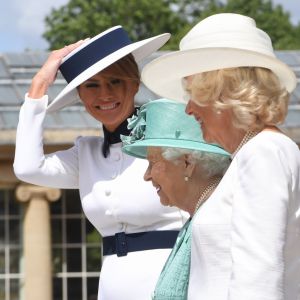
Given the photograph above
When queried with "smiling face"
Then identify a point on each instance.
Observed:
(167, 177)
(212, 124)
(109, 95)
(216, 125)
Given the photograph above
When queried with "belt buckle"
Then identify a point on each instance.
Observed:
(121, 244)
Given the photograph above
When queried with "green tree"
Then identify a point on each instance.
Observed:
(269, 17)
(144, 18)
(81, 18)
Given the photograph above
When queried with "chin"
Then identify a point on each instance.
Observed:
(208, 139)
(165, 202)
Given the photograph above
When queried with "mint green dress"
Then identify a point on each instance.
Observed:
(174, 279)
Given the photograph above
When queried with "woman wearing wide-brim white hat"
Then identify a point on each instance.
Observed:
(245, 238)
(138, 232)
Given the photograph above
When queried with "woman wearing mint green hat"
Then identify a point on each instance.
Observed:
(138, 232)
(184, 170)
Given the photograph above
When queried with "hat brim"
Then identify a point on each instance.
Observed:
(139, 50)
(163, 75)
(139, 148)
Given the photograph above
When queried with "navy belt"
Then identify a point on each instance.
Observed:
(122, 243)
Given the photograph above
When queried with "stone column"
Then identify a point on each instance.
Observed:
(37, 240)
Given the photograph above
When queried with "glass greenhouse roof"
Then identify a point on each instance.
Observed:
(17, 69)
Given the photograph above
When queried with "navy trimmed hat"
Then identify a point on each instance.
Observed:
(164, 123)
(97, 54)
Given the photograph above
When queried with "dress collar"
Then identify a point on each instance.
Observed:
(114, 137)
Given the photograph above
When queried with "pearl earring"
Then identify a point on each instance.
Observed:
(186, 178)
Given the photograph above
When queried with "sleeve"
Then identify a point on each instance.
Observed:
(59, 169)
(259, 220)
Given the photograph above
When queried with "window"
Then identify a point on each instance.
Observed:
(76, 250)
(10, 246)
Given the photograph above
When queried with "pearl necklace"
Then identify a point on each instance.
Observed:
(248, 136)
(206, 192)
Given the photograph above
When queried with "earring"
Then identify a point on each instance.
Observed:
(218, 112)
(186, 178)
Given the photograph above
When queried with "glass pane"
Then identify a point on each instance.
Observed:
(9, 96)
(288, 58)
(73, 203)
(74, 289)
(14, 263)
(56, 231)
(92, 235)
(292, 119)
(55, 89)
(2, 261)
(74, 260)
(57, 289)
(2, 232)
(57, 260)
(52, 121)
(56, 207)
(89, 120)
(14, 206)
(92, 288)
(73, 230)
(18, 59)
(14, 289)
(1, 203)
(93, 258)
(2, 289)
(14, 231)
(71, 119)
(3, 71)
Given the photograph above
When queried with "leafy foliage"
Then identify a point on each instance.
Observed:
(144, 18)
(82, 18)
(270, 18)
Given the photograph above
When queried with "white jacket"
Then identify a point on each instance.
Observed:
(246, 237)
(114, 197)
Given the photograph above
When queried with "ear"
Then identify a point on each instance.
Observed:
(189, 166)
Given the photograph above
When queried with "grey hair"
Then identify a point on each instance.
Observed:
(214, 164)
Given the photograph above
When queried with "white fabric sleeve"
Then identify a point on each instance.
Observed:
(259, 223)
(59, 169)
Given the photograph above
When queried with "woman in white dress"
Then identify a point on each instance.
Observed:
(246, 237)
(123, 207)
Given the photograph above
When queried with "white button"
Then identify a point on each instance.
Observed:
(121, 226)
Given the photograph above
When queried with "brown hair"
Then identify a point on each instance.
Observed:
(126, 68)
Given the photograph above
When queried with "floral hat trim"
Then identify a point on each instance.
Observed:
(137, 124)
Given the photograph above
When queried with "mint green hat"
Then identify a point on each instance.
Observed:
(164, 123)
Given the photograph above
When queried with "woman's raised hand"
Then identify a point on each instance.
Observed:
(48, 72)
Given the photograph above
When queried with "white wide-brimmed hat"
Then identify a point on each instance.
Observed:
(97, 54)
(220, 41)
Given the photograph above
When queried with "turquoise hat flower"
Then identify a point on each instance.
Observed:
(164, 123)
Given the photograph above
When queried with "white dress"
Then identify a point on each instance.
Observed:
(246, 237)
(113, 194)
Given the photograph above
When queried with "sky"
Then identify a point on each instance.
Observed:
(22, 22)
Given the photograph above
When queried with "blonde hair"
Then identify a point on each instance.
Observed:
(254, 94)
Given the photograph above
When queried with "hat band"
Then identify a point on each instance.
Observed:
(93, 53)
